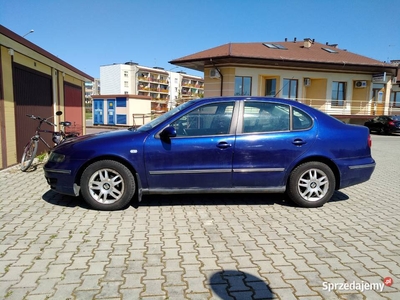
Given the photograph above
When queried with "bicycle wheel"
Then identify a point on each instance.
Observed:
(29, 155)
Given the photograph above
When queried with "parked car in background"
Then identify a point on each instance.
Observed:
(384, 124)
(217, 145)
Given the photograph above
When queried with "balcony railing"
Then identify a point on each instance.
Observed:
(350, 107)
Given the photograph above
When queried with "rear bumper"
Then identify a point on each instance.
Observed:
(355, 171)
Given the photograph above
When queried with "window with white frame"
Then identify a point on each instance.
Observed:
(242, 86)
(289, 90)
(338, 93)
(395, 99)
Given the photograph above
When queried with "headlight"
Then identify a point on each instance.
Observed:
(56, 157)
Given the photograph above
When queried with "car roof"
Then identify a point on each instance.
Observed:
(257, 98)
(244, 98)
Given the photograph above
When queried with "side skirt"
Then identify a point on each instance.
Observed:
(242, 190)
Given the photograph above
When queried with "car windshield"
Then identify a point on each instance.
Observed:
(163, 117)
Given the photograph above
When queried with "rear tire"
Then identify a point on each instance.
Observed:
(29, 155)
(108, 185)
(311, 184)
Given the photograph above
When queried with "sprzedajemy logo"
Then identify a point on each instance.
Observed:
(353, 286)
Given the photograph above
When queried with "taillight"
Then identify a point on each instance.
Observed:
(369, 141)
(391, 123)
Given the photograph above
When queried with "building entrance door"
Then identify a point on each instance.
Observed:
(378, 102)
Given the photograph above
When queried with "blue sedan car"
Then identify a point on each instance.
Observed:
(217, 145)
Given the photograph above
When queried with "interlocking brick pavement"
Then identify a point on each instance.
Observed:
(202, 246)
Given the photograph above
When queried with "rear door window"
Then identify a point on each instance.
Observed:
(301, 120)
(265, 117)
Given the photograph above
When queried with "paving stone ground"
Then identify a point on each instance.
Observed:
(204, 246)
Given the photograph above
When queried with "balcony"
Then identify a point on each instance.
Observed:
(350, 108)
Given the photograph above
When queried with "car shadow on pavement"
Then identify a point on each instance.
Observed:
(226, 199)
(235, 284)
(64, 200)
(191, 199)
(214, 199)
(338, 196)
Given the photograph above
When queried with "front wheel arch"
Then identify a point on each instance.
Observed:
(78, 175)
(108, 185)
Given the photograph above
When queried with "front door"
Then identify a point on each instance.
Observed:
(200, 156)
(378, 101)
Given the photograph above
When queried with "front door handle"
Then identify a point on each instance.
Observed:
(223, 145)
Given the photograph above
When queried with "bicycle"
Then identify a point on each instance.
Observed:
(58, 137)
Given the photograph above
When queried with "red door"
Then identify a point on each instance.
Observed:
(73, 107)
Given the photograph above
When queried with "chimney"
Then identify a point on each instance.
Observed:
(295, 40)
(307, 43)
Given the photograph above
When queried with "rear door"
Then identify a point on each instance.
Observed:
(271, 137)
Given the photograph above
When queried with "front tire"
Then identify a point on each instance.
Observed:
(311, 184)
(29, 155)
(107, 185)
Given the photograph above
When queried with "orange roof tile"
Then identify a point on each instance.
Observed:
(293, 52)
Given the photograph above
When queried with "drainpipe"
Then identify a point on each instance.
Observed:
(220, 74)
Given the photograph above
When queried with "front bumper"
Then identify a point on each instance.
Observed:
(61, 181)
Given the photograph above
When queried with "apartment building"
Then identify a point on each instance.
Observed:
(322, 75)
(165, 88)
(92, 88)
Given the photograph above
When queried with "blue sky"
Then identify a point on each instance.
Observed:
(88, 34)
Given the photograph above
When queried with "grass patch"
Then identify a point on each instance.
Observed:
(42, 157)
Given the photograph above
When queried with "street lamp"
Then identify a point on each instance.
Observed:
(30, 31)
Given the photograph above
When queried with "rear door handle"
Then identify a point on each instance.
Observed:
(299, 142)
(223, 145)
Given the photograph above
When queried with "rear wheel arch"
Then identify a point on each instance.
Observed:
(311, 184)
(323, 160)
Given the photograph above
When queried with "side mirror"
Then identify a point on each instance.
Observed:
(168, 132)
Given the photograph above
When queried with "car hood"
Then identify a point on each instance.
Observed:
(103, 142)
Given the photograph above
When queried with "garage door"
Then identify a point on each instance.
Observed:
(33, 96)
(73, 106)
